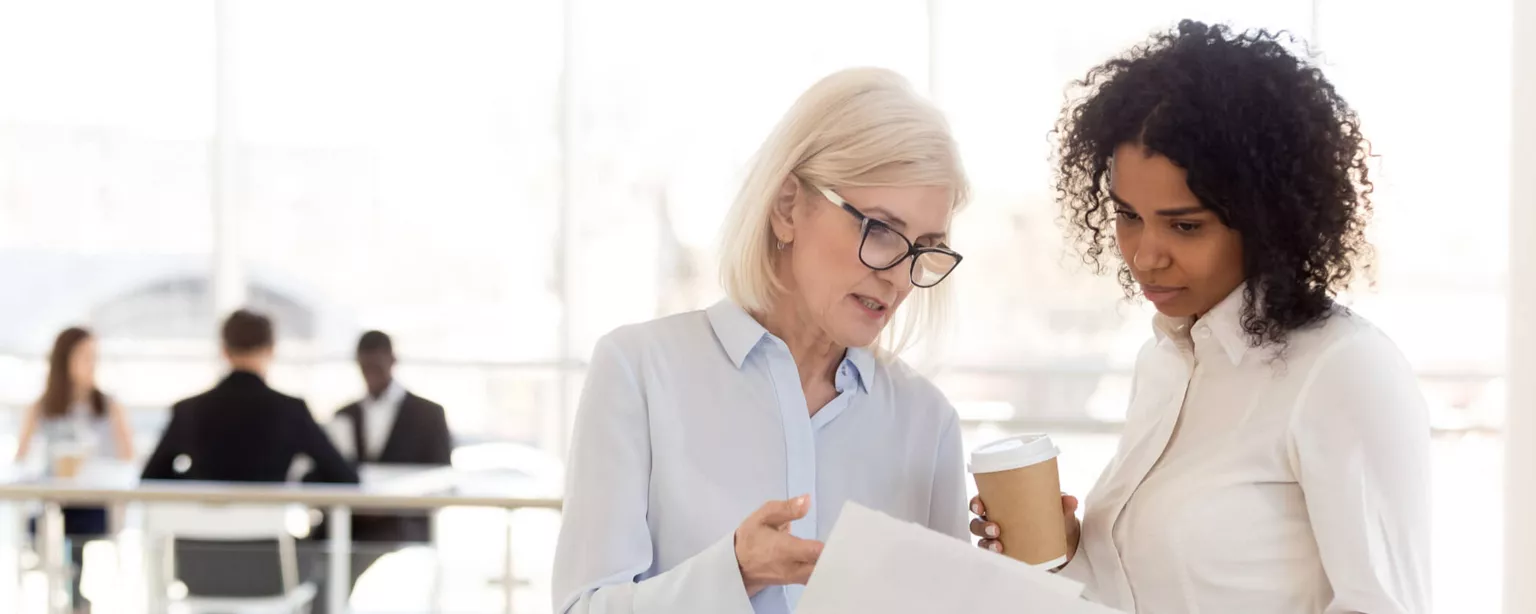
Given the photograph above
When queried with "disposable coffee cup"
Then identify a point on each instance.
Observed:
(67, 461)
(1019, 484)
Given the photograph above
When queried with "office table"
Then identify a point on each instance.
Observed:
(391, 488)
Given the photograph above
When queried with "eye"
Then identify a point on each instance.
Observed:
(1127, 215)
(878, 231)
(1186, 227)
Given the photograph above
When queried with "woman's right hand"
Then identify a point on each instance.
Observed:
(992, 535)
(765, 551)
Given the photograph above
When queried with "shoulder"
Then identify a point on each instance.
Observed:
(412, 400)
(687, 327)
(1351, 370)
(292, 403)
(660, 339)
(914, 394)
(1346, 346)
(191, 403)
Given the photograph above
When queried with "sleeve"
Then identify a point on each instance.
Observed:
(122, 431)
(161, 464)
(948, 513)
(314, 443)
(1359, 445)
(605, 542)
(441, 448)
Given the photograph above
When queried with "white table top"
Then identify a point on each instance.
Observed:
(384, 487)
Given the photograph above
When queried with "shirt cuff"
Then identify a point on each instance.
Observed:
(710, 581)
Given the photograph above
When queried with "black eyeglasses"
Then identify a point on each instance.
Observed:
(882, 248)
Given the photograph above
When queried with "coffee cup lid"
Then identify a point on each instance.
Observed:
(1013, 453)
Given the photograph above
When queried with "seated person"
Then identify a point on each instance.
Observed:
(240, 431)
(391, 426)
(388, 426)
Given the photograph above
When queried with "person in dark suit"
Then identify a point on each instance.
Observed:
(389, 426)
(241, 431)
(394, 427)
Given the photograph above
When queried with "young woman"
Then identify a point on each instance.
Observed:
(1276, 450)
(73, 413)
(72, 410)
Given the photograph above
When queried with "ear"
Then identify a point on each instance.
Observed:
(782, 216)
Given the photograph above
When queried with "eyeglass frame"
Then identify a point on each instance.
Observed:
(913, 250)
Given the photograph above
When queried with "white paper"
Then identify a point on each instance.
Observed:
(875, 563)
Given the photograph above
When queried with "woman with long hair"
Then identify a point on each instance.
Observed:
(72, 409)
(74, 415)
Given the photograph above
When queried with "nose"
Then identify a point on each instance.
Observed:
(899, 276)
(1150, 254)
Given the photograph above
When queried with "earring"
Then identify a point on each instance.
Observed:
(782, 245)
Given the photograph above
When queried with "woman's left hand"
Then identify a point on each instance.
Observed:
(992, 535)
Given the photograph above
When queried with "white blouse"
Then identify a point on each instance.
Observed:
(1255, 484)
(689, 424)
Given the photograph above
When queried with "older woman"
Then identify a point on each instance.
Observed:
(713, 449)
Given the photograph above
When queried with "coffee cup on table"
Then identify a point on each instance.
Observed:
(1019, 484)
(67, 460)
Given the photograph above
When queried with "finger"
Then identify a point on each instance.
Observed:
(982, 528)
(779, 513)
(801, 573)
(800, 550)
(991, 544)
(977, 507)
(1069, 504)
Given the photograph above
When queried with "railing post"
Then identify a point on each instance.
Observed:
(339, 584)
(509, 579)
(50, 533)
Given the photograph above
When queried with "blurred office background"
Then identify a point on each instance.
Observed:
(497, 183)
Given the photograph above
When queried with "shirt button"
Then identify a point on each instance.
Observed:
(1203, 332)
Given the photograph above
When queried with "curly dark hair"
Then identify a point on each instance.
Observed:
(1269, 146)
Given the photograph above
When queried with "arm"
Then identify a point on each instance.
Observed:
(314, 443)
(947, 513)
(440, 446)
(161, 464)
(1360, 447)
(28, 429)
(605, 542)
(122, 434)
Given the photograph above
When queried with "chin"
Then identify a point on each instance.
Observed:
(857, 335)
(1175, 311)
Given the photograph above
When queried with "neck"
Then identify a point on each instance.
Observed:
(249, 365)
(379, 394)
(82, 393)
(816, 356)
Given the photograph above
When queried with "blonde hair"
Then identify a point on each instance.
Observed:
(860, 127)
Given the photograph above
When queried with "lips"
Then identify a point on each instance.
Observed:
(874, 307)
(1160, 294)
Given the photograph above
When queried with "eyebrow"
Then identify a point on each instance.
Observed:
(901, 226)
(1161, 212)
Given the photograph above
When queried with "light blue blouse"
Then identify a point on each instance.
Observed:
(690, 423)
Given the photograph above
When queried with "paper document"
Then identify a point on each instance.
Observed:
(875, 563)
